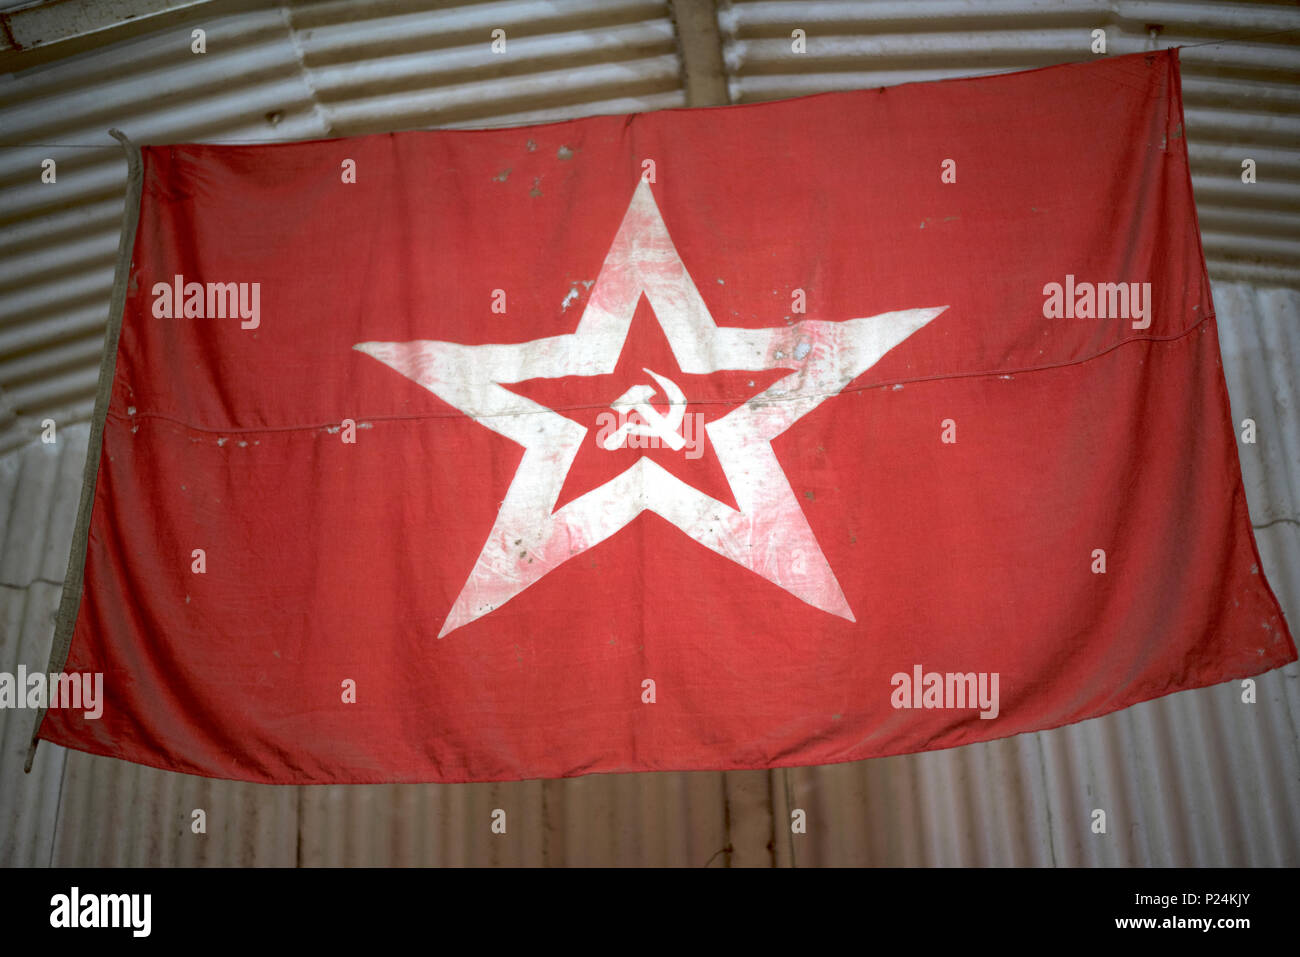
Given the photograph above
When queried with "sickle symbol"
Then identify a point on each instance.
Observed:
(665, 427)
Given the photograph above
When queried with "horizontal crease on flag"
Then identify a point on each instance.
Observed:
(761, 398)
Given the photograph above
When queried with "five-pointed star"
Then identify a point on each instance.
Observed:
(766, 533)
(586, 400)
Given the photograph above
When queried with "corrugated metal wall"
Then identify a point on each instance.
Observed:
(311, 70)
(1196, 778)
(1241, 100)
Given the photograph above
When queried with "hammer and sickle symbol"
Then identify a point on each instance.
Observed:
(665, 427)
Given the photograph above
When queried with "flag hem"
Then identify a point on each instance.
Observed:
(70, 601)
(776, 764)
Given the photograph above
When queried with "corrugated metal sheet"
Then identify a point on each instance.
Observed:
(283, 73)
(1196, 778)
(1241, 99)
(40, 491)
(342, 68)
(373, 70)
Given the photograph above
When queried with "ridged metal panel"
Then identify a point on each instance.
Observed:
(1241, 100)
(39, 489)
(284, 73)
(58, 241)
(377, 67)
(341, 68)
(1195, 778)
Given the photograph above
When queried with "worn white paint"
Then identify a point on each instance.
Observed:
(767, 534)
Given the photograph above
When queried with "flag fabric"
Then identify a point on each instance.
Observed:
(797, 433)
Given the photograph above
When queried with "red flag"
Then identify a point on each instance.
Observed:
(845, 426)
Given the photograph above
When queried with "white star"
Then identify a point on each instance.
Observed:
(767, 534)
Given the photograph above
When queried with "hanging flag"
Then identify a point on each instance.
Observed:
(807, 432)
